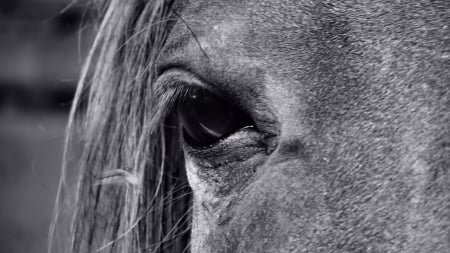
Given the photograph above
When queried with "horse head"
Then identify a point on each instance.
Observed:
(300, 126)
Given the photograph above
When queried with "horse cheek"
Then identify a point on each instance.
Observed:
(283, 211)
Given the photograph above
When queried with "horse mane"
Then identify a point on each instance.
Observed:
(132, 194)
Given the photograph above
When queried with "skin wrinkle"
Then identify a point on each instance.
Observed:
(349, 172)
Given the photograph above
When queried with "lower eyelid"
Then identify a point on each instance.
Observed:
(225, 176)
(246, 143)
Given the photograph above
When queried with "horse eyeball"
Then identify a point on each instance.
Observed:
(206, 118)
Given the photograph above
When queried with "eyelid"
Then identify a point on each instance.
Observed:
(178, 79)
(174, 84)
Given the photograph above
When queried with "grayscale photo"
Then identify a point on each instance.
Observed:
(225, 126)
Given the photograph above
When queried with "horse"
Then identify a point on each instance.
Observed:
(263, 126)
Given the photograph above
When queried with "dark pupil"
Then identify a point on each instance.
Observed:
(207, 118)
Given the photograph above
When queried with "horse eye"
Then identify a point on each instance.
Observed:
(206, 118)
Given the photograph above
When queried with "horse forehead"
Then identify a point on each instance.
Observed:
(245, 23)
(218, 9)
(293, 32)
(288, 20)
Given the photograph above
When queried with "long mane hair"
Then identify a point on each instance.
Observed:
(131, 194)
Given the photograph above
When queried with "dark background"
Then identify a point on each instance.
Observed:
(43, 44)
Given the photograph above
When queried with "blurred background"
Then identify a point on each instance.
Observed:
(43, 44)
